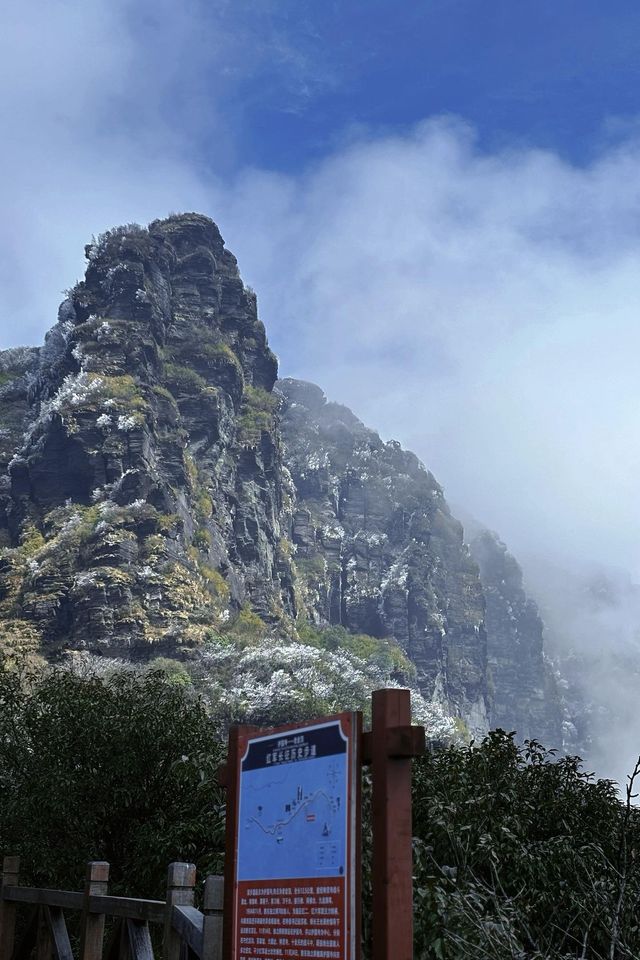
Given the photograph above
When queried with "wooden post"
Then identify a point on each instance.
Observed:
(181, 880)
(393, 743)
(92, 935)
(43, 934)
(212, 926)
(10, 878)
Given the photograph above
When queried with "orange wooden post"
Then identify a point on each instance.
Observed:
(231, 783)
(393, 743)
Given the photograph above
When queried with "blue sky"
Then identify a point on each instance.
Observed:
(547, 74)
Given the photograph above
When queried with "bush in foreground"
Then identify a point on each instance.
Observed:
(120, 768)
(518, 854)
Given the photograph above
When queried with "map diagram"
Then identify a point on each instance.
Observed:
(293, 820)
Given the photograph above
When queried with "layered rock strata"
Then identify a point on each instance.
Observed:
(157, 488)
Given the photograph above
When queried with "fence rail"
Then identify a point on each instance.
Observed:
(188, 933)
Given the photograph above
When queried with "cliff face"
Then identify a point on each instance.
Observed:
(156, 490)
(378, 549)
(524, 695)
(145, 498)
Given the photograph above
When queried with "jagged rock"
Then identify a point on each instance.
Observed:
(378, 550)
(155, 488)
(524, 694)
(149, 412)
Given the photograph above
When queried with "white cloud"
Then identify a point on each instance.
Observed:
(483, 310)
(480, 308)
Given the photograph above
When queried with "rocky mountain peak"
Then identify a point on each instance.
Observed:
(150, 428)
(158, 489)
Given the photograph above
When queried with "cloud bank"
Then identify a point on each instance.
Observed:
(481, 308)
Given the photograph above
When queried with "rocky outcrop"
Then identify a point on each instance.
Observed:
(524, 695)
(157, 489)
(377, 550)
(144, 502)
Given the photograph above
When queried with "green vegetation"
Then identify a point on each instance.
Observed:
(202, 538)
(517, 853)
(184, 378)
(123, 389)
(31, 540)
(522, 854)
(120, 768)
(248, 625)
(257, 413)
(312, 567)
(215, 579)
(6, 377)
(204, 506)
(164, 394)
(204, 344)
(384, 653)
(173, 670)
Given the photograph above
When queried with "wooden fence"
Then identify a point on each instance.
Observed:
(187, 933)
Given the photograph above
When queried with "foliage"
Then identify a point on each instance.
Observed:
(519, 854)
(215, 580)
(312, 567)
(248, 625)
(184, 378)
(258, 409)
(100, 244)
(120, 767)
(264, 680)
(381, 652)
(204, 344)
(202, 538)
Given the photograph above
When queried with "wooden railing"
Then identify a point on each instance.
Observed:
(187, 933)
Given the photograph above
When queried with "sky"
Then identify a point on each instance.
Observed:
(437, 203)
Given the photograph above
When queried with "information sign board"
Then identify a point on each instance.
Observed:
(296, 894)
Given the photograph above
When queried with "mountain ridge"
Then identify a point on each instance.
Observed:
(159, 484)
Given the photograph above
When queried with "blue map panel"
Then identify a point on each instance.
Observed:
(294, 805)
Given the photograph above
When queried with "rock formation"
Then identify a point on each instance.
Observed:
(378, 550)
(524, 696)
(158, 487)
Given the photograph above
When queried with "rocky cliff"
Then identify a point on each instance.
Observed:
(158, 488)
(524, 694)
(378, 550)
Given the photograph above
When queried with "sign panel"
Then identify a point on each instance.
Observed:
(295, 891)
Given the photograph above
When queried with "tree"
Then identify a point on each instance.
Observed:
(121, 768)
(518, 855)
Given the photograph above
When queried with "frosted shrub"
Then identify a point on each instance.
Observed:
(127, 423)
(283, 680)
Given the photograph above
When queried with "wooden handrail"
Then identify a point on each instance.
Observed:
(189, 923)
(135, 909)
(67, 899)
(150, 910)
(184, 924)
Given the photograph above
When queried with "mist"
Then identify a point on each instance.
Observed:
(480, 307)
(482, 310)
